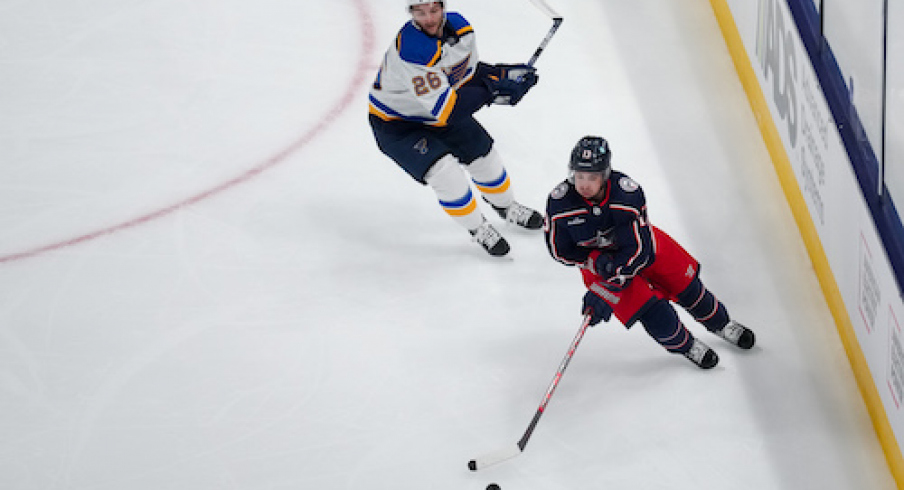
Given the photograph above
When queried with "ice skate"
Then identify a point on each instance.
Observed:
(490, 239)
(701, 355)
(738, 335)
(521, 215)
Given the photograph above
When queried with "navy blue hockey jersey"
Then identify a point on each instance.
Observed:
(617, 225)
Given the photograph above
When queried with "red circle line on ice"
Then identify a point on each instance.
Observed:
(361, 72)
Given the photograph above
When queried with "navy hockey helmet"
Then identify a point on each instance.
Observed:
(591, 154)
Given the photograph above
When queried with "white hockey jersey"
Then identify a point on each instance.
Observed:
(420, 74)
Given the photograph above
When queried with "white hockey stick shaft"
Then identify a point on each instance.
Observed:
(556, 22)
(510, 452)
(546, 9)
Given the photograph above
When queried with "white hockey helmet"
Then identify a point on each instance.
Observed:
(412, 3)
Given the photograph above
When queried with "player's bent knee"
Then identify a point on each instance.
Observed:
(487, 167)
(662, 323)
(692, 295)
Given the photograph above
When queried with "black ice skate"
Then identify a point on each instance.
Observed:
(521, 215)
(490, 239)
(701, 355)
(738, 335)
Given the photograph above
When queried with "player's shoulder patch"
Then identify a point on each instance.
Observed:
(628, 184)
(458, 23)
(559, 191)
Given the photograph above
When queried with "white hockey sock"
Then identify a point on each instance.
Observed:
(452, 189)
(492, 180)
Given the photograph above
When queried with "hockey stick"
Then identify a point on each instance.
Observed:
(517, 448)
(556, 22)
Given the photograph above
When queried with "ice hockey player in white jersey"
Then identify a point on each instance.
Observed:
(422, 105)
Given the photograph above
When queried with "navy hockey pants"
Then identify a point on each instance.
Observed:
(416, 147)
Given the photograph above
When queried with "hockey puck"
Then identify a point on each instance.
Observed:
(472, 465)
(492, 486)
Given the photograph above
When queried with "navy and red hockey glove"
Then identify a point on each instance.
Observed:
(603, 265)
(594, 306)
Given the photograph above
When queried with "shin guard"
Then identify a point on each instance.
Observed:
(453, 191)
(703, 306)
(662, 323)
(491, 179)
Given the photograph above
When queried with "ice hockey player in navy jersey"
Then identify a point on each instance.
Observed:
(422, 102)
(596, 220)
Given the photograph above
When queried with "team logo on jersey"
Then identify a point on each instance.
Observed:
(559, 191)
(601, 240)
(421, 146)
(627, 184)
(457, 72)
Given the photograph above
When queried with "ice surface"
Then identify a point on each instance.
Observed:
(210, 278)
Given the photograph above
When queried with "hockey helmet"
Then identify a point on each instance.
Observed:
(591, 154)
(412, 3)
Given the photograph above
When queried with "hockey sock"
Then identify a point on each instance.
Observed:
(452, 189)
(662, 323)
(492, 180)
(703, 306)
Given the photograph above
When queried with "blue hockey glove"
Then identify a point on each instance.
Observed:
(511, 83)
(596, 308)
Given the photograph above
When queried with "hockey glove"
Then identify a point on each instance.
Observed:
(603, 265)
(594, 306)
(511, 83)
